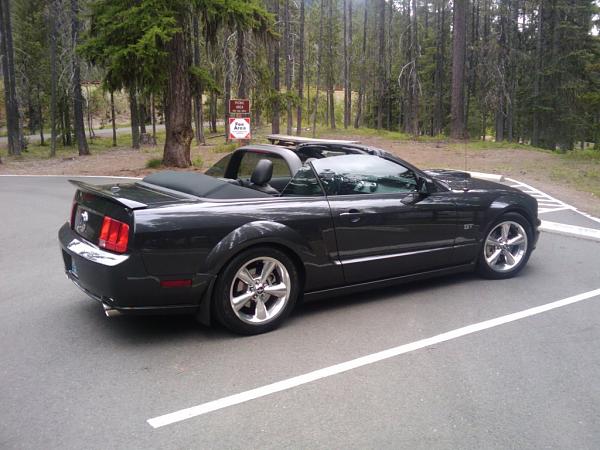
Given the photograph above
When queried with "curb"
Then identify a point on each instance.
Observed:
(570, 230)
(487, 176)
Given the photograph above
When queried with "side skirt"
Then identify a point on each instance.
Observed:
(360, 287)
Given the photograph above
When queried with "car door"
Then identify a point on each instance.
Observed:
(383, 226)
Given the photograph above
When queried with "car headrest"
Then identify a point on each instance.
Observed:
(263, 172)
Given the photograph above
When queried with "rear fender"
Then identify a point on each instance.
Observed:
(257, 233)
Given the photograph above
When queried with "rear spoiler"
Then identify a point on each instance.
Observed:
(108, 193)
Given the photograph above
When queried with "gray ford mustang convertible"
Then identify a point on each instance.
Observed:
(268, 225)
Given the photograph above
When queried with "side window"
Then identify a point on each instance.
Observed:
(219, 168)
(363, 174)
(249, 160)
(304, 184)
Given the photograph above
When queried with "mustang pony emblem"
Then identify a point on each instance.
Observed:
(82, 221)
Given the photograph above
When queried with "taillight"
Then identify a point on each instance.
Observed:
(114, 235)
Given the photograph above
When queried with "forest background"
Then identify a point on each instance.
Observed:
(518, 74)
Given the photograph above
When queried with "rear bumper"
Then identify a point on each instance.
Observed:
(121, 283)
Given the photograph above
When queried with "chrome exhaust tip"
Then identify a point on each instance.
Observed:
(110, 312)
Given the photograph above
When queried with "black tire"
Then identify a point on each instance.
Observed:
(486, 269)
(240, 322)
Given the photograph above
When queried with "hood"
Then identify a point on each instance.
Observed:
(462, 181)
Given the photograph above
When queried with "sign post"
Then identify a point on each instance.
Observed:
(239, 122)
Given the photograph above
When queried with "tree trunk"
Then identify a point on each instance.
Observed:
(153, 113)
(227, 87)
(412, 123)
(78, 125)
(300, 71)
(275, 63)
(89, 114)
(535, 134)
(15, 144)
(198, 113)
(381, 65)
(133, 112)
(330, 72)
(439, 69)
(346, 112)
(213, 112)
(40, 115)
(457, 126)
(319, 63)
(53, 78)
(178, 104)
(288, 64)
(112, 119)
(142, 114)
(363, 73)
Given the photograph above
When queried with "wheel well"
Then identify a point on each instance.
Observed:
(521, 212)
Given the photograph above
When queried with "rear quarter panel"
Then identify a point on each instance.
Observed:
(201, 237)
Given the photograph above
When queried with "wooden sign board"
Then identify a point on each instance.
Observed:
(239, 106)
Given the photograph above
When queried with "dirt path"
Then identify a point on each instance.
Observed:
(572, 181)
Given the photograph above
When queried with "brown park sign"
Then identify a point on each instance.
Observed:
(239, 106)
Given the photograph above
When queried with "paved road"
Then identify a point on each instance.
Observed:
(71, 378)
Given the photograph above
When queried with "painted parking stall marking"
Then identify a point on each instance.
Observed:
(546, 202)
(279, 386)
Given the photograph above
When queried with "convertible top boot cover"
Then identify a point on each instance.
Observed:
(200, 185)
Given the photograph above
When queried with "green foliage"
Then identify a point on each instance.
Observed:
(203, 78)
(225, 148)
(198, 162)
(154, 163)
(128, 40)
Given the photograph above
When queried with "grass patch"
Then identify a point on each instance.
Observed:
(582, 155)
(35, 150)
(492, 145)
(154, 163)
(585, 178)
(366, 132)
(198, 162)
(225, 148)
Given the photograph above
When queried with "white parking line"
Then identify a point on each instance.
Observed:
(546, 202)
(236, 399)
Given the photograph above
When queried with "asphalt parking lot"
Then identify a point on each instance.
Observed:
(72, 378)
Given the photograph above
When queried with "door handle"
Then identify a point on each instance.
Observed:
(352, 215)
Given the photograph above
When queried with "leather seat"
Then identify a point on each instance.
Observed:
(262, 174)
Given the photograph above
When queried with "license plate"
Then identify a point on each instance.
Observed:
(73, 267)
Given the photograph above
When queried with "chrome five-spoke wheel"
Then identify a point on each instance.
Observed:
(505, 246)
(260, 290)
(256, 290)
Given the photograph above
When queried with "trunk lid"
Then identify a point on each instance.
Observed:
(92, 203)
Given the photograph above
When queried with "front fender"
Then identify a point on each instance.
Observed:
(522, 204)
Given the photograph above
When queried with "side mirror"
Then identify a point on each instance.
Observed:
(423, 185)
(411, 198)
